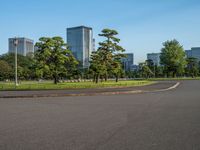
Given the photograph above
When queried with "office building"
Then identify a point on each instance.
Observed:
(194, 52)
(81, 43)
(155, 57)
(134, 68)
(25, 46)
(128, 61)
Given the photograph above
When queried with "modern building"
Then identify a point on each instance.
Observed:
(81, 43)
(194, 52)
(188, 53)
(134, 68)
(25, 46)
(155, 57)
(128, 62)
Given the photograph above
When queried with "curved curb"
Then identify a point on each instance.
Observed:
(140, 91)
(167, 89)
(95, 94)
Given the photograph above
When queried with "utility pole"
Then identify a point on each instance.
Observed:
(16, 44)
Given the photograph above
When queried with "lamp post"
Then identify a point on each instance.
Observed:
(16, 44)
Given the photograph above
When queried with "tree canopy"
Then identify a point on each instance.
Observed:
(173, 58)
(106, 60)
(53, 57)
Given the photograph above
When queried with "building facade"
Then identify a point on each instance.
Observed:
(155, 57)
(25, 46)
(81, 43)
(128, 62)
(194, 52)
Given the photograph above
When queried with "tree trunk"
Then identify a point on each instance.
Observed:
(117, 78)
(174, 74)
(94, 78)
(97, 79)
(55, 80)
(106, 77)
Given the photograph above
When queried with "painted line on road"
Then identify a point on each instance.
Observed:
(168, 89)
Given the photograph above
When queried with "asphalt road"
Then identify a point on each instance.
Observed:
(167, 120)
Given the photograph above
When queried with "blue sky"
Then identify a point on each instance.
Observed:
(143, 25)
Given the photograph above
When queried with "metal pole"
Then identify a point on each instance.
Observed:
(16, 44)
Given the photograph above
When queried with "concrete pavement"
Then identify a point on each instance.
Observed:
(150, 121)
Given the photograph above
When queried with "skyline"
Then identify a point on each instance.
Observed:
(141, 22)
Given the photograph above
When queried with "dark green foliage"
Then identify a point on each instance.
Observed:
(192, 67)
(173, 58)
(25, 66)
(53, 58)
(5, 70)
(145, 71)
(106, 60)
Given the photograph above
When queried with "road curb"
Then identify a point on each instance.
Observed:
(167, 89)
(95, 93)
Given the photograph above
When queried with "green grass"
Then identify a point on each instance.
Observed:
(48, 85)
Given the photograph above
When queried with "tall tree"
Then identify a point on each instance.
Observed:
(192, 66)
(151, 65)
(173, 58)
(97, 66)
(145, 71)
(52, 55)
(109, 50)
(117, 66)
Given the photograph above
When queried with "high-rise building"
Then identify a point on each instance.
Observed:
(81, 43)
(194, 52)
(25, 46)
(155, 57)
(188, 53)
(128, 61)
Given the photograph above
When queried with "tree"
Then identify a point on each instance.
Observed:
(117, 66)
(151, 66)
(5, 70)
(105, 57)
(173, 58)
(145, 71)
(199, 67)
(25, 65)
(192, 67)
(52, 57)
(97, 66)
(159, 71)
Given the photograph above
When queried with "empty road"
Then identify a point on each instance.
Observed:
(167, 120)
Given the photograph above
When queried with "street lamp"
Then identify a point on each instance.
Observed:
(16, 44)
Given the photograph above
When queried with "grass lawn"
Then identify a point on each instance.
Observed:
(48, 85)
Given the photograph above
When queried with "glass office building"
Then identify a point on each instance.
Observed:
(155, 57)
(81, 43)
(25, 46)
(128, 61)
(194, 52)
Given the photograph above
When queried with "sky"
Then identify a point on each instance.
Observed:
(143, 25)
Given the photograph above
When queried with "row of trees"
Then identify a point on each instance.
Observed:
(53, 60)
(173, 63)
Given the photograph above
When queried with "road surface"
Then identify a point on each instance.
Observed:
(167, 120)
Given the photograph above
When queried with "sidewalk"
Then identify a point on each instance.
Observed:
(160, 85)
